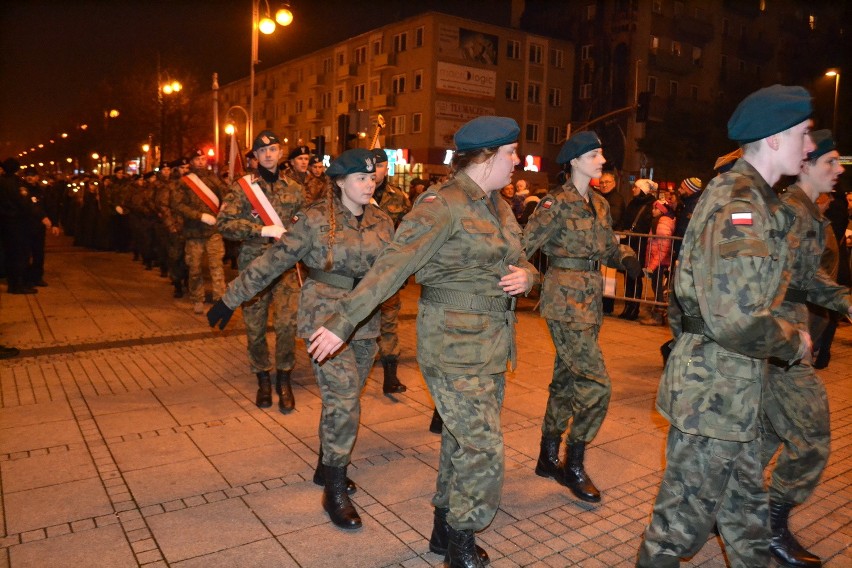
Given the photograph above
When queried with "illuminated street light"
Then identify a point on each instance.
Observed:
(229, 129)
(41, 145)
(95, 155)
(284, 16)
(836, 74)
(64, 135)
(267, 26)
(69, 160)
(114, 113)
(145, 148)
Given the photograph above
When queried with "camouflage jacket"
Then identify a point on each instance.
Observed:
(141, 202)
(805, 273)
(733, 271)
(162, 191)
(395, 203)
(295, 177)
(316, 187)
(238, 220)
(451, 240)
(189, 206)
(564, 225)
(116, 195)
(356, 247)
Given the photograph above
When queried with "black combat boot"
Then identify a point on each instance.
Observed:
(336, 501)
(575, 476)
(319, 476)
(264, 390)
(391, 384)
(437, 424)
(784, 546)
(548, 458)
(461, 550)
(439, 543)
(178, 289)
(286, 401)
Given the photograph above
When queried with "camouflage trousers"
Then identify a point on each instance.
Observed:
(341, 380)
(215, 249)
(796, 417)
(177, 257)
(580, 388)
(283, 296)
(389, 338)
(470, 466)
(708, 480)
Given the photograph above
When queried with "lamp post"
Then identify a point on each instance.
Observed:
(284, 17)
(165, 89)
(836, 74)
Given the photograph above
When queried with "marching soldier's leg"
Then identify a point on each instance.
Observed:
(389, 344)
(215, 253)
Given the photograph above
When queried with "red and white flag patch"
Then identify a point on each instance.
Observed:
(743, 218)
(429, 198)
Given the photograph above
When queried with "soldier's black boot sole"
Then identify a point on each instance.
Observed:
(440, 540)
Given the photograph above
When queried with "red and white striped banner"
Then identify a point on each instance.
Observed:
(259, 201)
(204, 193)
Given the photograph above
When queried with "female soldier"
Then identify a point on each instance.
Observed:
(338, 238)
(463, 242)
(573, 228)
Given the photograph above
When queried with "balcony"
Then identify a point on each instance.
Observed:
(382, 102)
(677, 64)
(314, 115)
(315, 81)
(384, 60)
(695, 31)
(753, 49)
(347, 71)
(288, 120)
(344, 108)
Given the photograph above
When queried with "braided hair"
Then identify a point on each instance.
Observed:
(332, 193)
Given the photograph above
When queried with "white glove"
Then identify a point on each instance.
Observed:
(208, 219)
(273, 231)
(119, 210)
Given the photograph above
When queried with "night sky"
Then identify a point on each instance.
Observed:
(54, 51)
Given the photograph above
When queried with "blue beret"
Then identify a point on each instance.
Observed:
(486, 132)
(298, 151)
(380, 155)
(824, 142)
(265, 138)
(577, 145)
(355, 161)
(769, 111)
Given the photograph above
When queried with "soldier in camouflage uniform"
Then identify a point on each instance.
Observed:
(119, 223)
(143, 215)
(161, 232)
(240, 220)
(393, 201)
(317, 183)
(173, 223)
(734, 265)
(297, 167)
(795, 404)
(338, 238)
(199, 229)
(464, 245)
(573, 228)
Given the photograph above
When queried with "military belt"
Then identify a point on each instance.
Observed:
(468, 301)
(796, 296)
(692, 324)
(574, 263)
(332, 279)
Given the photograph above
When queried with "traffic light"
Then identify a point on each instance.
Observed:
(643, 105)
(319, 145)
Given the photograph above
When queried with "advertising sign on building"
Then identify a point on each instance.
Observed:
(464, 80)
(468, 45)
(460, 111)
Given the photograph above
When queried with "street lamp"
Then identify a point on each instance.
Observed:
(284, 17)
(167, 88)
(836, 74)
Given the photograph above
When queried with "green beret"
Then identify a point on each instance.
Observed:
(380, 155)
(298, 151)
(265, 138)
(577, 145)
(486, 132)
(824, 142)
(355, 161)
(769, 111)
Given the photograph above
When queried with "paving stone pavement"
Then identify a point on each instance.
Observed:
(129, 437)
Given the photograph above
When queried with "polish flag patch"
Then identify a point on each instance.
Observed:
(546, 203)
(741, 218)
(429, 198)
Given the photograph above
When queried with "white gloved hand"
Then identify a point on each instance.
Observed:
(273, 231)
(119, 210)
(208, 219)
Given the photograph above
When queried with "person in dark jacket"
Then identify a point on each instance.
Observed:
(637, 219)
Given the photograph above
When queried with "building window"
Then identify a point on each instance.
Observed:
(532, 132)
(361, 54)
(676, 48)
(586, 91)
(398, 84)
(696, 56)
(299, 106)
(325, 101)
(418, 79)
(377, 47)
(672, 88)
(534, 93)
(554, 134)
(375, 86)
(418, 36)
(359, 92)
(310, 103)
(557, 58)
(341, 58)
(416, 122)
(554, 97)
(400, 42)
(535, 53)
(585, 52)
(652, 85)
(693, 92)
(513, 49)
(655, 44)
(340, 95)
(512, 90)
(591, 11)
(327, 65)
(398, 124)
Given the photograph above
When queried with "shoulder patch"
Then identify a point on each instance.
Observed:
(546, 203)
(429, 198)
(295, 218)
(741, 218)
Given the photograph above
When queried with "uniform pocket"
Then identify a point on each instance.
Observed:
(478, 226)
(582, 224)
(466, 340)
